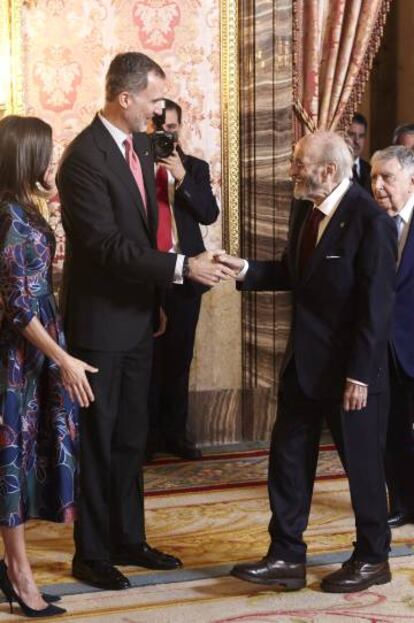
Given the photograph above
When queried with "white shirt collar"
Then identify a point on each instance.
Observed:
(118, 135)
(332, 200)
(407, 210)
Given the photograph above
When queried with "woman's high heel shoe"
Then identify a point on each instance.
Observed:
(11, 596)
(45, 596)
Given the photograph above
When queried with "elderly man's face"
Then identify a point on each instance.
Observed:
(308, 173)
(391, 184)
(357, 133)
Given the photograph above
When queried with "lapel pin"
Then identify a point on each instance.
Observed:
(342, 224)
(146, 153)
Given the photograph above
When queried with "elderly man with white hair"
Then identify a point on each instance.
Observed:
(392, 181)
(340, 267)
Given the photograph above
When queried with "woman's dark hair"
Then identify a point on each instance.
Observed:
(25, 153)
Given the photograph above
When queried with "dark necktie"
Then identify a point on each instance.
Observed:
(398, 224)
(355, 175)
(309, 237)
(164, 231)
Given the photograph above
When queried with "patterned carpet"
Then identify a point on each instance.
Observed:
(212, 514)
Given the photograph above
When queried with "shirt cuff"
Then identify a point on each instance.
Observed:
(178, 271)
(178, 184)
(356, 382)
(242, 274)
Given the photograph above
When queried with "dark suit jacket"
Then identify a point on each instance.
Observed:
(112, 266)
(364, 178)
(194, 205)
(342, 302)
(402, 333)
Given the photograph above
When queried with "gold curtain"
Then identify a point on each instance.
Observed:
(335, 42)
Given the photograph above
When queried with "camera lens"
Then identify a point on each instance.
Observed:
(162, 144)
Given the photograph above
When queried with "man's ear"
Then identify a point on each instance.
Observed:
(331, 168)
(123, 99)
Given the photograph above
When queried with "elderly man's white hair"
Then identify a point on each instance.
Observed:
(329, 147)
(404, 155)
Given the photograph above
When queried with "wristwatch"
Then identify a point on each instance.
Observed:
(186, 267)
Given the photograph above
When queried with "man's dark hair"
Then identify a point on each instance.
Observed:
(129, 72)
(359, 118)
(170, 105)
(406, 128)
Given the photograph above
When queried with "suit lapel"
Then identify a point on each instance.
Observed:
(407, 257)
(333, 229)
(118, 165)
(302, 209)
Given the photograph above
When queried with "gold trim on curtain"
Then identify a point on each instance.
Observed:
(229, 93)
(335, 42)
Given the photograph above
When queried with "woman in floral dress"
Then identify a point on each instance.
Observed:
(40, 383)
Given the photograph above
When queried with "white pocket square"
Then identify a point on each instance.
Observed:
(333, 257)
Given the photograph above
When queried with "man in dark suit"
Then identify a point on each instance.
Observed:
(361, 169)
(340, 266)
(392, 177)
(112, 270)
(184, 191)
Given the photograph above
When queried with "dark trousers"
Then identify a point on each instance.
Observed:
(360, 439)
(173, 354)
(399, 457)
(113, 432)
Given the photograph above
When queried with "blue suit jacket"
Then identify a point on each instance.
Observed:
(342, 302)
(402, 333)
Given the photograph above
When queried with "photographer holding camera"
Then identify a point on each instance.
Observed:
(185, 200)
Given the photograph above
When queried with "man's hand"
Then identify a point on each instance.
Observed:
(355, 397)
(206, 270)
(236, 264)
(162, 327)
(174, 164)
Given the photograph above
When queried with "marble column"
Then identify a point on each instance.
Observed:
(266, 140)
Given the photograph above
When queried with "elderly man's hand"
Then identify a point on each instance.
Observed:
(355, 396)
(205, 269)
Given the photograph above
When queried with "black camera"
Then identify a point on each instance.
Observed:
(163, 144)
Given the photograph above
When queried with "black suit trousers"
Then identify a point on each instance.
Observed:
(173, 354)
(360, 439)
(113, 432)
(399, 457)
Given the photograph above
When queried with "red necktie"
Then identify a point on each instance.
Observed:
(164, 235)
(309, 237)
(136, 170)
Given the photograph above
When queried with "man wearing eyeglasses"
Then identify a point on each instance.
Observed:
(339, 265)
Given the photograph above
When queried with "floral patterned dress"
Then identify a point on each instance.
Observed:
(38, 421)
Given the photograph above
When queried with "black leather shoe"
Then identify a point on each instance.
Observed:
(145, 556)
(184, 449)
(395, 520)
(99, 573)
(356, 575)
(272, 572)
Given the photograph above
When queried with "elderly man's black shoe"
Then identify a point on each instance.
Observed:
(99, 573)
(185, 449)
(395, 520)
(356, 575)
(145, 556)
(272, 572)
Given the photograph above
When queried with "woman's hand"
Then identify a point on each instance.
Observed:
(75, 381)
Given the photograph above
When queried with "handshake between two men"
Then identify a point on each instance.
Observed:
(211, 267)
